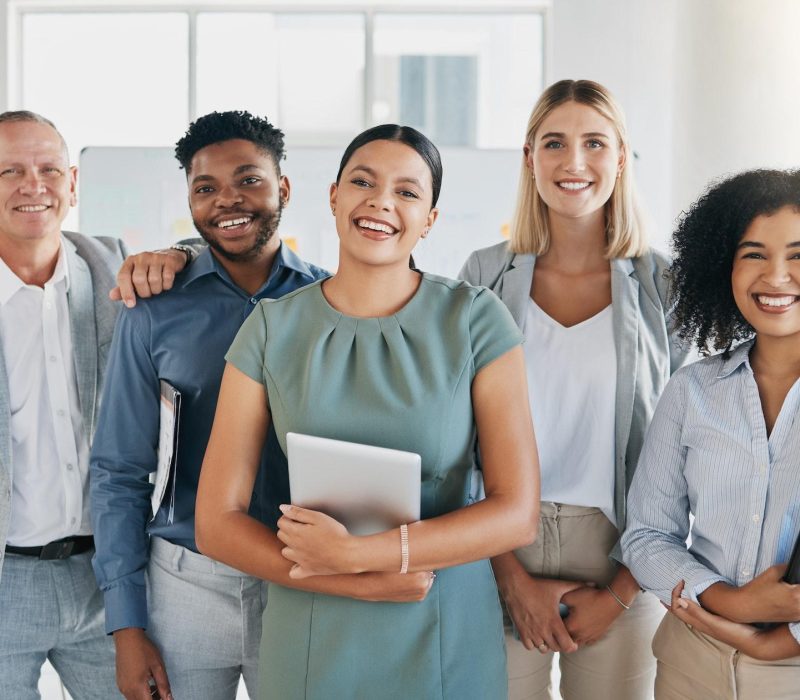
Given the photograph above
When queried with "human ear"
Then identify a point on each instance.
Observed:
(332, 197)
(623, 158)
(285, 190)
(433, 214)
(73, 185)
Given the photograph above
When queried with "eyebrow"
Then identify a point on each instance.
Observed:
(371, 172)
(561, 135)
(756, 244)
(238, 171)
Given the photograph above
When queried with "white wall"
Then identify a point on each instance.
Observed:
(709, 86)
(737, 93)
(628, 46)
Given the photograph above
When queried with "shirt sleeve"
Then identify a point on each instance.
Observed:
(794, 630)
(247, 350)
(654, 542)
(124, 453)
(492, 329)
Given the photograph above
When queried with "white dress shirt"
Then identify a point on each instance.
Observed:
(572, 379)
(49, 449)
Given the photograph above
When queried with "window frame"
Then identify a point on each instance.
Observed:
(18, 9)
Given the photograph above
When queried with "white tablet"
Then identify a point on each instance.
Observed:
(368, 489)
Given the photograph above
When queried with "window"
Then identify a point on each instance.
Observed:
(465, 78)
(306, 72)
(123, 77)
(107, 78)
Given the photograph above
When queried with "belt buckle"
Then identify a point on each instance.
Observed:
(57, 550)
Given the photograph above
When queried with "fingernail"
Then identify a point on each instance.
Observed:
(129, 303)
(283, 508)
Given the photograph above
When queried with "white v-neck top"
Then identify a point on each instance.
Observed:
(572, 377)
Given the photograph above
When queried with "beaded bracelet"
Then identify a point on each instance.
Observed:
(404, 549)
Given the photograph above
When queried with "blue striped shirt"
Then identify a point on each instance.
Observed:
(707, 453)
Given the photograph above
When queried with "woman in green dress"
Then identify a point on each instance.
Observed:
(380, 354)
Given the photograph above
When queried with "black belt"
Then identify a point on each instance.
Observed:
(60, 549)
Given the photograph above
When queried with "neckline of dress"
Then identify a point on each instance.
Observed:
(363, 319)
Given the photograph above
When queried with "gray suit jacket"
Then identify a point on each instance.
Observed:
(647, 353)
(92, 264)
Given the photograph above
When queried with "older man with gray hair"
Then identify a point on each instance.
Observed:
(56, 323)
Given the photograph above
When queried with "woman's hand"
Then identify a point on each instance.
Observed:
(591, 613)
(734, 633)
(767, 598)
(396, 588)
(766, 645)
(316, 543)
(532, 604)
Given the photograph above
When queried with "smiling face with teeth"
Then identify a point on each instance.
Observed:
(382, 203)
(236, 197)
(37, 186)
(766, 275)
(575, 157)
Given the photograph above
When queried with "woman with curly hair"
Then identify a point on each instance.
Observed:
(724, 447)
(591, 299)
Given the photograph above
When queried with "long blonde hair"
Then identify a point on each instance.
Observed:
(625, 230)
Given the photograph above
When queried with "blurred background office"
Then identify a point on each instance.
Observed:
(709, 87)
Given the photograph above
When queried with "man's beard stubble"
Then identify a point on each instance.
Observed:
(267, 229)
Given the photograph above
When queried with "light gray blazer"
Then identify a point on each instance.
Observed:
(647, 353)
(93, 265)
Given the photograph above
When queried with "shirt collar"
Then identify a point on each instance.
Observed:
(739, 356)
(206, 264)
(10, 283)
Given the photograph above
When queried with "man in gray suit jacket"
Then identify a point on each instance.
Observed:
(56, 324)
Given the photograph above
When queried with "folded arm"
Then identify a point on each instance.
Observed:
(767, 645)
(504, 520)
(224, 530)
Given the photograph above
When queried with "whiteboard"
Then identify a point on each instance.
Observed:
(139, 195)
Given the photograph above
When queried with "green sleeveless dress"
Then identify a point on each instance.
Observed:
(404, 382)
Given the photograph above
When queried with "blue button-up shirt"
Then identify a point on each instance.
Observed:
(707, 453)
(181, 337)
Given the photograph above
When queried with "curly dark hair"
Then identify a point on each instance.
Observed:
(704, 246)
(221, 126)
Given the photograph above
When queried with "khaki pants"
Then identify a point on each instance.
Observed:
(573, 544)
(694, 666)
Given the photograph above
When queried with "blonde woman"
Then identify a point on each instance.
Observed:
(591, 300)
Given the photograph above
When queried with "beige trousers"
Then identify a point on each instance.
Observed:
(574, 543)
(694, 666)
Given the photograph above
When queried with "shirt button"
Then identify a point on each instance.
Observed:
(69, 466)
(72, 521)
(60, 412)
(745, 572)
(756, 518)
(253, 300)
(53, 358)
